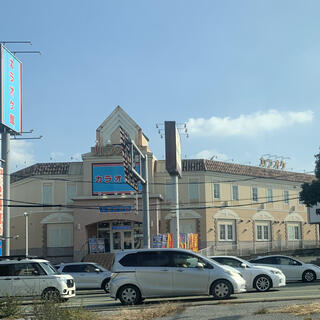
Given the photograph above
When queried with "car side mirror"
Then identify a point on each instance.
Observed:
(243, 265)
(35, 272)
(200, 265)
(97, 270)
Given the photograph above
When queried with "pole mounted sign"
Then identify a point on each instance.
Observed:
(11, 90)
(314, 214)
(173, 148)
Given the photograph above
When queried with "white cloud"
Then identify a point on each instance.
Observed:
(248, 125)
(208, 154)
(21, 154)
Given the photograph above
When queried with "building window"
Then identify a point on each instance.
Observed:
(254, 194)
(47, 193)
(216, 191)
(193, 188)
(71, 192)
(269, 195)
(263, 231)
(59, 235)
(294, 231)
(226, 231)
(286, 196)
(235, 193)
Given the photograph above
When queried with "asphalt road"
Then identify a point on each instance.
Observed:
(98, 300)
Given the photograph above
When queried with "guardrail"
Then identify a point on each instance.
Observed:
(250, 248)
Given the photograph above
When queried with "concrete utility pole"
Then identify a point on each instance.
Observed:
(175, 214)
(145, 200)
(27, 232)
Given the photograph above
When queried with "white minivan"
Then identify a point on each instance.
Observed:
(34, 278)
(146, 273)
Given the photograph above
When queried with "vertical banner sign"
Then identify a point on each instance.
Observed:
(173, 149)
(1, 201)
(11, 90)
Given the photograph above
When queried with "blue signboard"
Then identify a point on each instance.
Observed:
(108, 178)
(0, 247)
(11, 90)
(115, 209)
(121, 228)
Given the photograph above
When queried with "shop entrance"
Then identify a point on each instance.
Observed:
(121, 240)
(120, 235)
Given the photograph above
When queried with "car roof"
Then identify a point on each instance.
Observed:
(124, 252)
(233, 257)
(21, 261)
(272, 255)
(74, 263)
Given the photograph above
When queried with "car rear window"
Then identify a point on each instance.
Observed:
(129, 260)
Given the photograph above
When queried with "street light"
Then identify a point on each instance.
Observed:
(27, 232)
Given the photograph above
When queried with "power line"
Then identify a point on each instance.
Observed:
(278, 178)
(161, 208)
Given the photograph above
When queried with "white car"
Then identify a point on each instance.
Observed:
(292, 268)
(23, 277)
(87, 275)
(257, 277)
(145, 273)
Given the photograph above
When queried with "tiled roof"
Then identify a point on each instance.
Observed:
(52, 168)
(244, 170)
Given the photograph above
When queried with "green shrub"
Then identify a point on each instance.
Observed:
(51, 310)
(9, 307)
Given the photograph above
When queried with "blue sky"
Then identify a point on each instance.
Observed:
(244, 75)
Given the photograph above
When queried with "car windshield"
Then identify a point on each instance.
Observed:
(48, 268)
(247, 263)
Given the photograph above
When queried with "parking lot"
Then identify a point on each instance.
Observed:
(99, 300)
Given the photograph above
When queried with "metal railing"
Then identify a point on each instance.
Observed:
(252, 248)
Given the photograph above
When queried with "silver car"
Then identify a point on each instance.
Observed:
(145, 273)
(87, 275)
(260, 278)
(292, 268)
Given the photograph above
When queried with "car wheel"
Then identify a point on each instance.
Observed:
(129, 294)
(221, 289)
(51, 294)
(308, 276)
(262, 283)
(105, 286)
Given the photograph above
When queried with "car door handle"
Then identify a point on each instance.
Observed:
(7, 279)
(164, 270)
(180, 270)
(16, 278)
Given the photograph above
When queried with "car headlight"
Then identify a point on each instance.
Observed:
(234, 273)
(276, 272)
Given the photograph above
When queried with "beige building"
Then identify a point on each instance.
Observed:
(233, 208)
